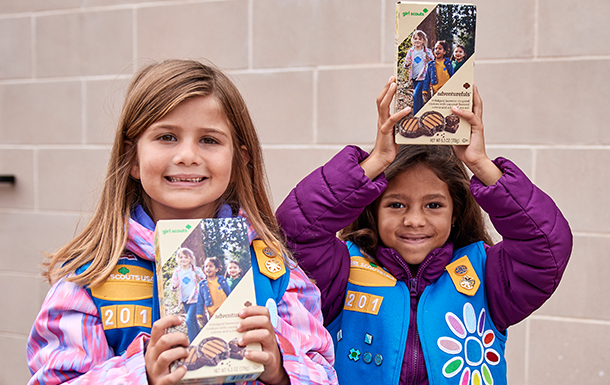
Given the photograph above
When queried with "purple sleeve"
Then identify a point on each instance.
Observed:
(525, 268)
(326, 201)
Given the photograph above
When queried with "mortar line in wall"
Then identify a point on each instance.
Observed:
(543, 59)
(250, 34)
(307, 68)
(590, 234)
(382, 34)
(13, 335)
(314, 107)
(13, 273)
(35, 177)
(46, 212)
(570, 320)
(64, 79)
(33, 71)
(134, 38)
(83, 90)
(534, 164)
(100, 8)
(550, 146)
(526, 363)
(303, 146)
(75, 146)
(536, 27)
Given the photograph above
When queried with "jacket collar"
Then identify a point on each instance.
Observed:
(429, 270)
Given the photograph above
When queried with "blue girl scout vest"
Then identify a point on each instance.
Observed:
(128, 303)
(460, 342)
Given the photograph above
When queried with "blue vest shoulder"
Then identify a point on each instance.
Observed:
(127, 302)
(265, 287)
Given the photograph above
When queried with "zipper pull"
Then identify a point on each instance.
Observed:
(413, 287)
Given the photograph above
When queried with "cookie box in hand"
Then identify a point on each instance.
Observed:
(197, 280)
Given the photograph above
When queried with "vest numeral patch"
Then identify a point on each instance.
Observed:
(124, 316)
(362, 302)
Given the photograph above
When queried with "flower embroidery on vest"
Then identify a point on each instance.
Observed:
(471, 351)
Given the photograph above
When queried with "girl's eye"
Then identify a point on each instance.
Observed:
(167, 138)
(209, 140)
(396, 205)
(434, 205)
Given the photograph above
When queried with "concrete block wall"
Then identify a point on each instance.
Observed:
(310, 72)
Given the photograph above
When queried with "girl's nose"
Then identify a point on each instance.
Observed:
(187, 153)
(414, 218)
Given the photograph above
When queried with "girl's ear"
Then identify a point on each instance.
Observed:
(135, 167)
(245, 154)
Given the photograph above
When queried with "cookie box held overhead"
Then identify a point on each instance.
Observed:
(434, 69)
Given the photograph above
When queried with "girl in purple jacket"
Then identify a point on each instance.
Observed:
(414, 291)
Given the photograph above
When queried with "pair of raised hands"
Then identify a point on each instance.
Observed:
(473, 155)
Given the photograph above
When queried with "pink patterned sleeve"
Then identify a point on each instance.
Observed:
(306, 346)
(67, 343)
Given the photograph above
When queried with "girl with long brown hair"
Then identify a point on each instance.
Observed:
(185, 148)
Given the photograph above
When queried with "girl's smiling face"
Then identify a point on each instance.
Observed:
(233, 270)
(184, 160)
(184, 261)
(210, 269)
(458, 53)
(417, 41)
(414, 214)
(439, 51)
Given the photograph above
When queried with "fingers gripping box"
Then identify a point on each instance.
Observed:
(434, 56)
(204, 276)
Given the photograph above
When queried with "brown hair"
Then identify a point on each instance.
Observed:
(189, 253)
(154, 92)
(217, 263)
(445, 46)
(469, 225)
(422, 35)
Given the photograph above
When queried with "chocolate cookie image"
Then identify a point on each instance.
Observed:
(452, 123)
(409, 128)
(236, 351)
(431, 122)
(193, 361)
(212, 350)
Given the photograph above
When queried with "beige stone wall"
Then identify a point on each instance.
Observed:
(310, 71)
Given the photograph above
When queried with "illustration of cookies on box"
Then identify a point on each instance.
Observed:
(434, 63)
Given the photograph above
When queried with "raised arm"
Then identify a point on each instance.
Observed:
(331, 198)
(525, 268)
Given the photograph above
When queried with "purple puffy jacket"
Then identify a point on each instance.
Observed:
(527, 264)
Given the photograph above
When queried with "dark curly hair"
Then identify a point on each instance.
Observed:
(469, 225)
